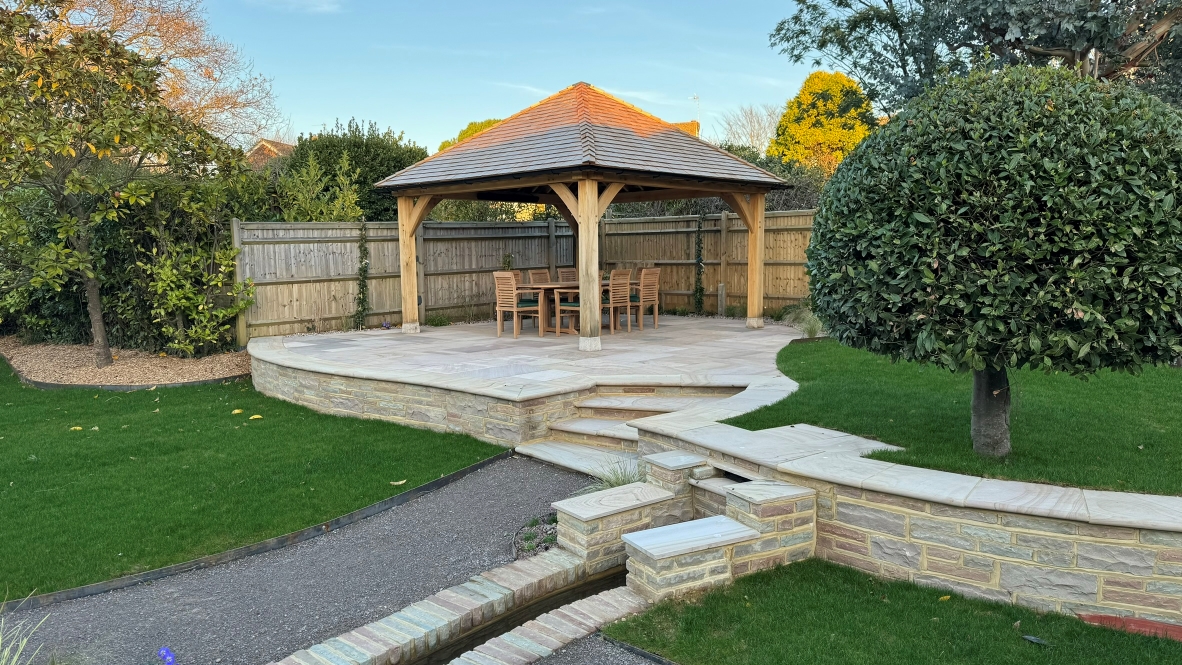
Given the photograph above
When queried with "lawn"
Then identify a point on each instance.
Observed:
(818, 613)
(1114, 431)
(160, 477)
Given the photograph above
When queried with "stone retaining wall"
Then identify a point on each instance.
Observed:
(1050, 565)
(498, 421)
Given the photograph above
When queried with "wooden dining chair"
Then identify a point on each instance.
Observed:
(646, 295)
(568, 274)
(509, 299)
(539, 276)
(566, 303)
(518, 276)
(619, 294)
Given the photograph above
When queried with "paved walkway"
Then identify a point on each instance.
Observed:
(471, 358)
(264, 607)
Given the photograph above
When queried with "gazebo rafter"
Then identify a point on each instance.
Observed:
(580, 150)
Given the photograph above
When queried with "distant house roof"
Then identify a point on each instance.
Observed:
(266, 150)
(581, 129)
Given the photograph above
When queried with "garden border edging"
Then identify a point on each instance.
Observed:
(268, 545)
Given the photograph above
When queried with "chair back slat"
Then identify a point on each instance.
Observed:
(619, 287)
(650, 279)
(506, 289)
(539, 276)
(568, 274)
(518, 276)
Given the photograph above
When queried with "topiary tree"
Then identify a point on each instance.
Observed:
(1021, 218)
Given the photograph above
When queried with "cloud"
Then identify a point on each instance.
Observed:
(304, 6)
(646, 96)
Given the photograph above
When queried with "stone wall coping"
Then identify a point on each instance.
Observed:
(612, 501)
(688, 537)
(835, 457)
(675, 460)
(717, 485)
(769, 491)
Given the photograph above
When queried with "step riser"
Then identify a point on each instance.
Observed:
(616, 414)
(607, 442)
(668, 391)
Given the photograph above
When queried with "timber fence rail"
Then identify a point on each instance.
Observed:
(306, 274)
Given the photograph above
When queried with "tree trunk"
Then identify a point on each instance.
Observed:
(991, 413)
(98, 330)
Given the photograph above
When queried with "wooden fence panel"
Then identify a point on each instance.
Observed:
(305, 274)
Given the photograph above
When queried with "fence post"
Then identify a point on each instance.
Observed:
(550, 249)
(723, 252)
(421, 272)
(241, 331)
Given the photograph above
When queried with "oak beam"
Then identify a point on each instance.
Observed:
(590, 290)
(411, 214)
(753, 215)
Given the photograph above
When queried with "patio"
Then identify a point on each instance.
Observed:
(513, 391)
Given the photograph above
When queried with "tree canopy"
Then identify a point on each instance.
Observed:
(1026, 217)
(473, 128)
(83, 123)
(374, 153)
(894, 49)
(823, 122)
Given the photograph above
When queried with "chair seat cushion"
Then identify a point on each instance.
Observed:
(527, 303)
(568, 304)
(634, 298)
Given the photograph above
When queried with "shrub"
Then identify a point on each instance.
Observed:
(437, 320)
(1024, 217)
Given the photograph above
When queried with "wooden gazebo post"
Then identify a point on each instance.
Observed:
(588, 208)
(411, 213)
(751, 209)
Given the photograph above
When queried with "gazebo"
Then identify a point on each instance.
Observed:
(580, 150)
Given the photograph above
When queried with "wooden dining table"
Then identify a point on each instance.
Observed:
(544, 288)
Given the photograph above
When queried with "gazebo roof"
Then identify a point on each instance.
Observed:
(580, 131)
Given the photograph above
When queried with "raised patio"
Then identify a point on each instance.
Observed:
(513, 391)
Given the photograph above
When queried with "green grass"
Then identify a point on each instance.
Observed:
(1114, 431)
(172, 474)
(818, 613)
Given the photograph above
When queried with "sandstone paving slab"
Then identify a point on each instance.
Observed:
(611, 501)
(686, 537)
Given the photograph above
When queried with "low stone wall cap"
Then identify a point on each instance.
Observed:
(687, 537)
(675, 460)
(769, 491)
(611, 501)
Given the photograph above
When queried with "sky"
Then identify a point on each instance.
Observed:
(430, 67)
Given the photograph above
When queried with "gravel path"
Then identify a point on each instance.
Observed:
(263, 608)
(592, 650)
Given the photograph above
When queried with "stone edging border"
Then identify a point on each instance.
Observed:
(269, 545)
(116, 388)
(635, 650)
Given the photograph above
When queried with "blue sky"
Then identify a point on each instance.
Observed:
(430, 67)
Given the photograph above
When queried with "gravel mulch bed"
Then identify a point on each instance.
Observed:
(74, 363)
(537, 536)
(263, 608)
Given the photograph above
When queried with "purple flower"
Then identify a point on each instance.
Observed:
(166, 656)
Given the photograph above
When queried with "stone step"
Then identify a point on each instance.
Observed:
(604, 432)
(541, 637)
(591, 460)
(627, 407)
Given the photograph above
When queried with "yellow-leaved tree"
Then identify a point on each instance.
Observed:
(823, 122)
